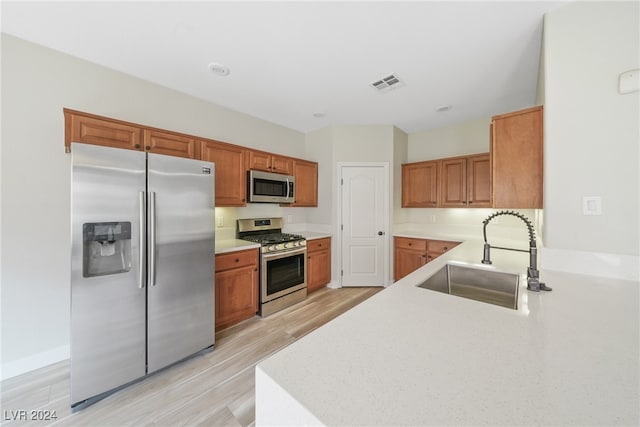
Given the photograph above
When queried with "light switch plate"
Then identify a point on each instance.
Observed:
(592, 205)
(629, 82)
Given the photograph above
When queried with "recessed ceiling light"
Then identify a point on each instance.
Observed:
(443, 108)
(319, 115)
(219, 69)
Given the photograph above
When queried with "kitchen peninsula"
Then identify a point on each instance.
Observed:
(410, 356)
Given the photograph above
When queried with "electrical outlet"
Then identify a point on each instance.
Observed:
(219, 221)
(592, 205)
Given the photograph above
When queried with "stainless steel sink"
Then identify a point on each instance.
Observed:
(488, 286)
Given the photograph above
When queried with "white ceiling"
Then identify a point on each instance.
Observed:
(289, 60)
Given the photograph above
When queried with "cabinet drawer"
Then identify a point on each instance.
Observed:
(408, 243)
(441, 246)
(318, 245)
(236, 259)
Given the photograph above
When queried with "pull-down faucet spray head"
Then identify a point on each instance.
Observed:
(533, 275)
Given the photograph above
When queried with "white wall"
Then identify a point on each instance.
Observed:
(332, 145)
(592, 136)
(319, 149)
(36, 84)
(461, 139)
(458, 140)
(400, 156)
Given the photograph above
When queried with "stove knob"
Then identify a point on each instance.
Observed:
(287, 245)
(271, 248)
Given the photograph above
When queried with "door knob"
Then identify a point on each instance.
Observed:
(380, 233)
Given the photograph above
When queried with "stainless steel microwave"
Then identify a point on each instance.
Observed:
(268, 187)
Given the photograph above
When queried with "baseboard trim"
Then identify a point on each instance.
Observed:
(36, 361)
(334, 284)
(615, 266)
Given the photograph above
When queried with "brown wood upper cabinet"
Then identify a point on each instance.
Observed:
(516, 150)
(171, 144)
(306, 187)
(260, 160)
(231, 171)
(465, 182)
(232, 161)
(420, 185)
(452, 182)
(96, 130)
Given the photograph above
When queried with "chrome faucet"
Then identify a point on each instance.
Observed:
(533, 275)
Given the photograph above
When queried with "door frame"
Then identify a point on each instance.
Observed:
(386, 216)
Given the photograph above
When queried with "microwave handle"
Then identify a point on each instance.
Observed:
(289, 195)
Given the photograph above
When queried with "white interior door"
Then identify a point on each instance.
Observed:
(364, 215)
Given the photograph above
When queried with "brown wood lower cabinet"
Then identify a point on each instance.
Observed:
(236, 287)
(411, 254)
(318, 263)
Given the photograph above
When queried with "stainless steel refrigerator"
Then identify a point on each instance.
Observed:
(142, 266)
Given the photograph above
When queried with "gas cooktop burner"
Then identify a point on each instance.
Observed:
(268, 233)
(267, 239)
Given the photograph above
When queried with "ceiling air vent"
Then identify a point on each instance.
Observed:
(385, 84)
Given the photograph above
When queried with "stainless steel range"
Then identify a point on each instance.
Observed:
(283, 277)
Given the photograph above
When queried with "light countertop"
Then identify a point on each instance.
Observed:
(231, 245)
(410, 356)
(310, 235)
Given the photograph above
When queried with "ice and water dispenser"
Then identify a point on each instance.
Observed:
(106, 248)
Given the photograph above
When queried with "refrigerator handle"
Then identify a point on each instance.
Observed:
(142, 240)
(152, 238)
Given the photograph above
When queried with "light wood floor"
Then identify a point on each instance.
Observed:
(214, 389)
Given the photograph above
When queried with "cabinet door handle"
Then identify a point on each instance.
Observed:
(445, 248)
(237, 259)
(137, 145)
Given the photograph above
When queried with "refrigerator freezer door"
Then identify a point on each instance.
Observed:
(181, 249)
(107, 301)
